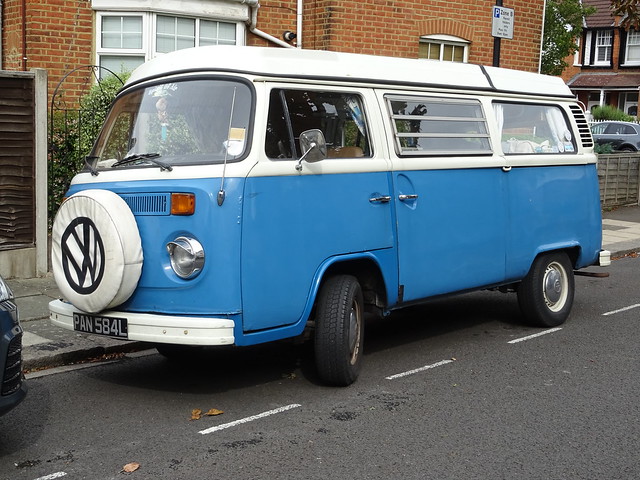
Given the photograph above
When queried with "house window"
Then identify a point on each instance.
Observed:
(604, 40)
(628, 103)
(632, 55)
(121, 42)
(176, 33)
(443, 47)
(128, 40)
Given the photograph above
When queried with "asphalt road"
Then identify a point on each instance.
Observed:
(456, 389)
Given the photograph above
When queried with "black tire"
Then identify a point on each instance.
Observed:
(545, 295)
(339, 330)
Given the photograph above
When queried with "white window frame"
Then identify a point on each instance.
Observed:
(197, 20)
(443, 40)
(576, 56)
(102, 51)
(586, 59)
(635, 34)
(149, 31)
(602, 46)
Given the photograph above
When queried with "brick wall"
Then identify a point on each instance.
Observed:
(386, 27)
(59, 38)
(59, 33)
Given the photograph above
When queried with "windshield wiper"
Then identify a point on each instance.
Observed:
(152, 157)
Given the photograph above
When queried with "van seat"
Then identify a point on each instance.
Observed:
(345, 152)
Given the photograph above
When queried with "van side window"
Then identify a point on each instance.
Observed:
(340, 116)
(533, 129)
(438, 126)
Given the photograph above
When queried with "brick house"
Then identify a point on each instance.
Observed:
(606, 69)
(60, 35)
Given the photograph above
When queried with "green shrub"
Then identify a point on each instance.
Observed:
(605, 148)
(72, 135)
(609, 112)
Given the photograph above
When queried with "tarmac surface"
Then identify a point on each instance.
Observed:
(46, 346)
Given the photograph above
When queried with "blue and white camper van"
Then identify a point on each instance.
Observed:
(239, 195)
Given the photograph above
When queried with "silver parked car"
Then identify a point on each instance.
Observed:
(623, 136)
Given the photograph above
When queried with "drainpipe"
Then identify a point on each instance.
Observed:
(253, 20)
(1, 52)
(544, 13)
(299, 25)
(24, 35)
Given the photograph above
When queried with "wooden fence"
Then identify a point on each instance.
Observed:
(619, 175)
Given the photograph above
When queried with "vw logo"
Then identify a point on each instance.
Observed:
(82, 255)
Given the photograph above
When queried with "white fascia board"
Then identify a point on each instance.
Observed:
(198, 8)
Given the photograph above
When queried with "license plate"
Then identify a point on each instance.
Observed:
(110, 326)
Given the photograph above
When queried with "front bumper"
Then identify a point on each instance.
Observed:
(154, 328)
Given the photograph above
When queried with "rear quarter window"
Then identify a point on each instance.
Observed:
(533, 129)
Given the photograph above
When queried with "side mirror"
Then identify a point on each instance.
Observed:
(313, 146)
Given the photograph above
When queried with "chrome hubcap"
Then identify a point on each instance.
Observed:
(554, 286)
(354, 332)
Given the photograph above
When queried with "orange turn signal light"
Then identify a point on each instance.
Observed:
(183, 203)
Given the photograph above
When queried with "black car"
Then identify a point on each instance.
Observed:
(12, 386)
(623, 136)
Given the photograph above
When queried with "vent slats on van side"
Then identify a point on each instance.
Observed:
(148, 203)
(583, 126)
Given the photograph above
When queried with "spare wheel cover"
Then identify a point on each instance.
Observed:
(96, 250)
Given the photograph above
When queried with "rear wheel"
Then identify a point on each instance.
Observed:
(339, 330)
(545, 295)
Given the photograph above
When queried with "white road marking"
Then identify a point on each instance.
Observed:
(250, 419)
(529, 337)
(622, 309)
(418, 370)
(52, 476)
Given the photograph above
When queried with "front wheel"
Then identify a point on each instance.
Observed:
(545, 295)
(339, 330)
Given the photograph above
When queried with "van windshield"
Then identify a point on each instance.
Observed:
(179, 123)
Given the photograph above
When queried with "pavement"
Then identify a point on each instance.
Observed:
(46, 346)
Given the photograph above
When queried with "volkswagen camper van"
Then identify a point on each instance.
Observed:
(240, 195)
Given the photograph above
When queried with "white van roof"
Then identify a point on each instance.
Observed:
(338, 66)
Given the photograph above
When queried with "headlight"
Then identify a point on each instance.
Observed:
(187, 257)
(5, 291)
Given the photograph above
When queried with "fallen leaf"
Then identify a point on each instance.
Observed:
(213, 412)
(196, 413)
(131, 467)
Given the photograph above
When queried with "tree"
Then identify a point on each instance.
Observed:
(628, 11)
(563, 23)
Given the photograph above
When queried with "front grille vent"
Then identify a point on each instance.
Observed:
(12, 378)
(583, 126)
(148, 203)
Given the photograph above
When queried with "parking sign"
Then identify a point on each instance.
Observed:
(502, 24)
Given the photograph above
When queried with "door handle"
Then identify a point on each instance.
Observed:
(380, 199)
(404, 198)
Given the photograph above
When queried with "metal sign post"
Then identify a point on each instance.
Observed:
(501, 27)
